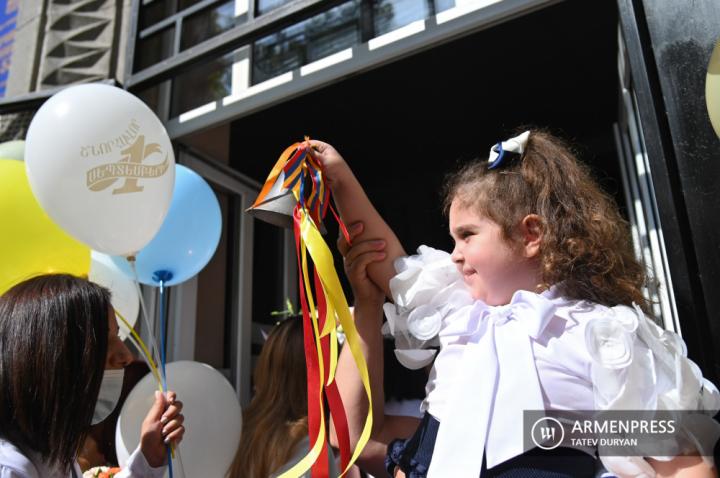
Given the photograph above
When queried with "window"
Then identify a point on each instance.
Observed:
(201, 85)
(307, 41)
(390, 15)
(154, 48)
(207, 23)
(264, 6)
(154, 11)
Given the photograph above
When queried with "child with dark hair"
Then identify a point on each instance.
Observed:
(58, 344)
(538, 307)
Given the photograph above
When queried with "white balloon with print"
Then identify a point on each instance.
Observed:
(100, 163)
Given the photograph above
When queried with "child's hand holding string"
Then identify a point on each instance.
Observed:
(163, 426)
(334, 167)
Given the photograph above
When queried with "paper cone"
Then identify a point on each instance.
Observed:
(277, 208)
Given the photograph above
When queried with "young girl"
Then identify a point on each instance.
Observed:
(275, 424)
(539, 307)
(59, 345)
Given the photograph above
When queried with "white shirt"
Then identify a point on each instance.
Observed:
(560, 362)
(539, 352)
(15, 464)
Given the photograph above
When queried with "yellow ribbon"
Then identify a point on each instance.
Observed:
(311, 242)
(307, 462)
(337, 308)
(148, 358)
(138, 341)
(323, 259)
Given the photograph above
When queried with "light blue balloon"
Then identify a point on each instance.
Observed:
(187, 238)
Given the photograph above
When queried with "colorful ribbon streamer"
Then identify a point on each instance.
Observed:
(321, 311)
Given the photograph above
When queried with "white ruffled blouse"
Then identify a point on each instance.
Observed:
(539, 352)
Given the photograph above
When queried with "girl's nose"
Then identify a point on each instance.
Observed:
(456, 255)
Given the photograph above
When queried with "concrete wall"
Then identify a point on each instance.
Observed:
(61, 45)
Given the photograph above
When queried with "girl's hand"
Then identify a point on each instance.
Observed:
(162, 425)
(356, 260)
(334, 167)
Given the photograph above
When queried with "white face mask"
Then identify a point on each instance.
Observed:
(110, 389)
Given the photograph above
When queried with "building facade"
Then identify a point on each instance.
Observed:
(404, 89)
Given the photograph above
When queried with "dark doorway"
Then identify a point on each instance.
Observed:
(404, 125)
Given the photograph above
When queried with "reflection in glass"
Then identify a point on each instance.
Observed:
(154, 49)
(442, 5)
(264, 6)
(202, 84)
(213, 310)
(207, 23)
(183, 4)
(268, 273)
(315, 38)
(153, 12)
(390, 15)
(151, 97)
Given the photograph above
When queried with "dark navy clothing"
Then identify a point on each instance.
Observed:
(414, 454)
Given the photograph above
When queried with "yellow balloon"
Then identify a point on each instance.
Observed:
(30, 243)
(712, 88)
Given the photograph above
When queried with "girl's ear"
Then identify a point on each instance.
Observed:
(531, 228)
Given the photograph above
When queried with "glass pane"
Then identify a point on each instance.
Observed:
(207, 23)
(268, 273)
(442, 5)
(154, 49)
(267, 276)
(390, 15)
(201, 85)
(183, 4)
(213, 301)
(264, 6)
(154, 11)
(307, 41)
(151, 97)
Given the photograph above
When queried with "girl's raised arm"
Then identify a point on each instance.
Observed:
(355, 207)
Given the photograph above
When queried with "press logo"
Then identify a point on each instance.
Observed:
(133, 153)
(547, 433)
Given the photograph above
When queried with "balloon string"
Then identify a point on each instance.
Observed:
(163, 331)
(178, 460)
(140, 345)
(162, 382)
(151, 329)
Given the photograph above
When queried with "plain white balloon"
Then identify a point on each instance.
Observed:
(125, 300)
(213, 419)
(100, 163)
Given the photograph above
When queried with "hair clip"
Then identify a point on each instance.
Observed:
(512, 147)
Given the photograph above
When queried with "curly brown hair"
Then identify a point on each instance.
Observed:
(586, 247)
